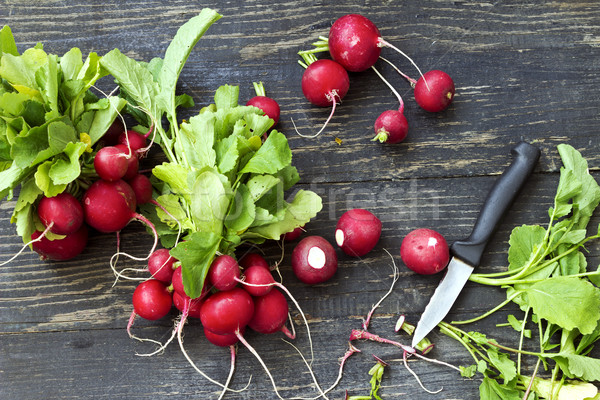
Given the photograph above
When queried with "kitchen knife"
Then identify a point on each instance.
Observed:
(466, 254)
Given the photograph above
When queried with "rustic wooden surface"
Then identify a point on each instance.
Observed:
(522, 70)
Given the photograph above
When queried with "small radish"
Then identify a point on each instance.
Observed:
(133, 164)
(63, 212)
(109, 206)
(269, 106)
(227, 312)
(152, 300)
(391, 127)
(177, 281)
(134, 140)
(142, 187)
(258, 275)
(425, 251)
(357, 232)
(111, 136)
(111, 163)
(293, 235)
(250, 259)
(194, 306)
(270, 313)
(160, 265)
(223, 272)
(434, 91)
(314, 260)
(225, 340)
(60, 249)
(324, 84)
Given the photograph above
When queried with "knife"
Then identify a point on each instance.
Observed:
(466, 254)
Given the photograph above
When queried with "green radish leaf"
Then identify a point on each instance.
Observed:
(226, 97)
(177, 215)
(492, 390)
(242, 212)
(177, 54)
(578, 366)
(524, 242)
(66, 171)
(259, 185)
(300, 211)
(197, 138)
(7, 42)
(174, 175)
(273, 156)
(503, 363)
(20, 71)
(210, 202)
(196, 254)
(104, 118)
(569, 302)
(44, 182)
(71, 63)
(569, 390)
(11, 177)
(47, 80)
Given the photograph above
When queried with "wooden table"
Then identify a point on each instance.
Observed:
(522, 71)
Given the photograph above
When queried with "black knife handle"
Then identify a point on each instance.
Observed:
(498, 201)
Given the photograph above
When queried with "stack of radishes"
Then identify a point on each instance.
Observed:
(355, 44)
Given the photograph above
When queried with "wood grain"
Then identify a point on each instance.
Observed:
(522, 70)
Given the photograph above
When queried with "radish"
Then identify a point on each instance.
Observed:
(269, 106)
(357, 232)
(109, 206)
(160, 265)
(152, 300)
(223, 272)
(250, 259)
(227, 312)
(425, 251)
(62, 213)
(142, 187)
(111, 163)
(434, 91)
(111, 136)
(314, 260)
(133, 163)
(391, 127)
(225, 340)
(270, 313)
(355, 42)
(293, 235)
(60, 249)
(261, 277)
(194, 305)
(177, 281)
(324, 83)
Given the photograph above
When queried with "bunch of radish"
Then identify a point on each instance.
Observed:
(355, 45)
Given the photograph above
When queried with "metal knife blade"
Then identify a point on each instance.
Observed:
(467, 253)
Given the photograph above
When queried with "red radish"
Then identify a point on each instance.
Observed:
(314, 260)
(160, 265)
(152, 300)
(251, 259)
(227, 312)
(225, 340)
(134, 140)
(357, 232)
(111, 136)
(133, 163)
(194, 306)
(111, 163)
(391, 127)
(434, 91)
(425, 251)
(293, 235)
(324, 81)
(258, 275)
(270, 313)
(109, 206)
(142, 187)
(177, 281)
(269, 106)
(354, 42)
(60, 249)
(63, 212)
(223, 272)
(324, 84)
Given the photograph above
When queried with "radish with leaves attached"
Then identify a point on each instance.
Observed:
(269, 106)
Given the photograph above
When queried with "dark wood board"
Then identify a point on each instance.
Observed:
(522, 70)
